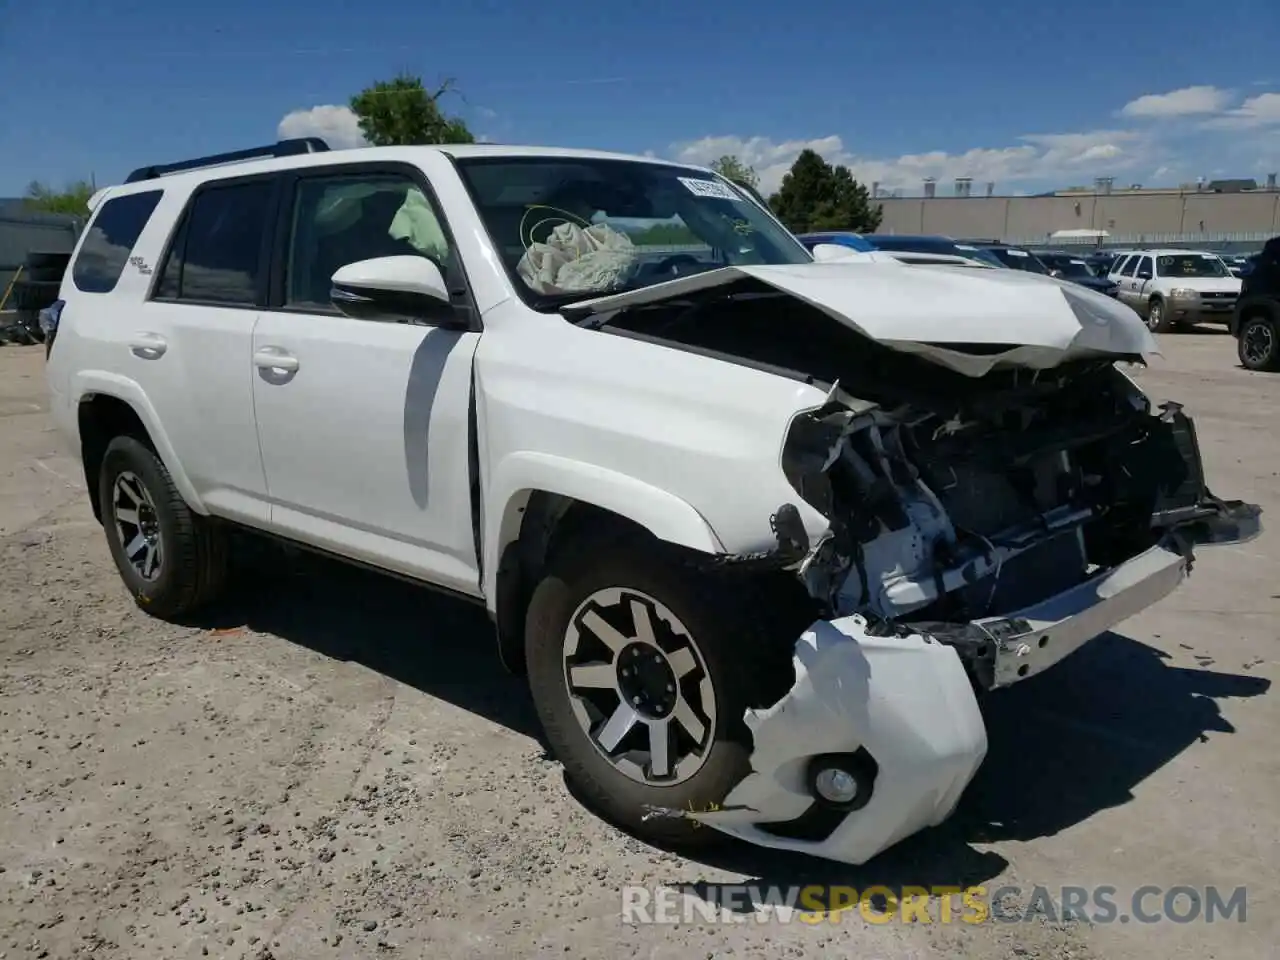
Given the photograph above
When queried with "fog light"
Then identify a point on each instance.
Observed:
(842, 781)
(836, 786)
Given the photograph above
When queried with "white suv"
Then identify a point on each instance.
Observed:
(1171, 288)
(756, 528)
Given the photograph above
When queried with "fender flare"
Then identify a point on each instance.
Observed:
(87, 383)
(662, 513)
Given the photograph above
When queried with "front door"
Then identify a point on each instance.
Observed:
(364, 425)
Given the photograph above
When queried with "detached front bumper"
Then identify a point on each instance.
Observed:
(895, 711)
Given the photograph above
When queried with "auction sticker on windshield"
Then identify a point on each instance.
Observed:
(709, 188)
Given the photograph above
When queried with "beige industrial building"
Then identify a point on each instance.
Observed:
(1234, 213)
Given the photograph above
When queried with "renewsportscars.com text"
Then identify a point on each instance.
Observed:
(818, 903)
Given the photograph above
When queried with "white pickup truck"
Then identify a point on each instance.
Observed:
(757, 528)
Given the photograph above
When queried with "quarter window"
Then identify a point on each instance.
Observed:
(110, 240)
(343, 219)
(216, 256)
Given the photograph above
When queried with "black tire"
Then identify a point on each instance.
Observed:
(43, 274)
(193, 553)
(1158, 317)
(48, 261)
(735, 657)
(1258, 343)
(33, 295)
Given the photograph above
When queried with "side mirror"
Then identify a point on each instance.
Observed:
(1056, 274)
(392, 290)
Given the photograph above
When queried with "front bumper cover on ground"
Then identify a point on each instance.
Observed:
(899, 707)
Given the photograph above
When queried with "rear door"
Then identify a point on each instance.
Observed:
(193, 339)
(365, 426)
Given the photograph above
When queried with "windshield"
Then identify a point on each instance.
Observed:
(1192, 265)
(572, 228)
(1070, 266)
(1019, 260)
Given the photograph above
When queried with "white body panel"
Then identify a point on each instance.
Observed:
(414, 448)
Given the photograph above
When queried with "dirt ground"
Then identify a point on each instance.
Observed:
(337, 765)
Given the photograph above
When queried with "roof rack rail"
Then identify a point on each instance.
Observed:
(282, 148)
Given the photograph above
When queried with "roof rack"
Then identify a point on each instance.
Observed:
(282, 148)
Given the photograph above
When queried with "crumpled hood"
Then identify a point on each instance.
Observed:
(940, 313)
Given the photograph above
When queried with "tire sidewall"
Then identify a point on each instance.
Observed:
(125, 454)
(554, 602)
(1157, 321)
(1270, 361)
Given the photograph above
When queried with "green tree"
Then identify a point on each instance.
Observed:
(73, 199)
(814, 195)
(402, 111)
(731, 168)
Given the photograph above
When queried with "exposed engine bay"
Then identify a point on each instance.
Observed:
(952, 499)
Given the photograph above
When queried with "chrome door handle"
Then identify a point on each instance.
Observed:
(273, 358)
(148, 346)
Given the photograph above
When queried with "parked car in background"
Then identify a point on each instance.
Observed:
(930, 244)
(1068, 266)
(841, 238)
(1171, 288)
(1015, 258)
(1255, 323)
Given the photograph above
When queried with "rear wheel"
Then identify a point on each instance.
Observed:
(1258, 345)
(641, 676)
(172, 560)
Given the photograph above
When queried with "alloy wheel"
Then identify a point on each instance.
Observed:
(1258, 343)
(1155, 316)
(639, 686)
(137, 525)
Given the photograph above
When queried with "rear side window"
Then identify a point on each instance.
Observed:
(110, 240)
(216, 255)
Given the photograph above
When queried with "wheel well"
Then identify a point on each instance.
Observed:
(102, 418)
(553, 522)
(549, 523)
(1257, 311)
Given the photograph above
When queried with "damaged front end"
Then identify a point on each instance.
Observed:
(980, 532)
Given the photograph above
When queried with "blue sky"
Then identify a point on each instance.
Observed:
(1032, 96)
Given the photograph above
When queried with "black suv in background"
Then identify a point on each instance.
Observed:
(1256, 321)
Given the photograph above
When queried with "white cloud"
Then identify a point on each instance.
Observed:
(1035, 157)
(1189, 101)
(1260, 111)
(337, 125)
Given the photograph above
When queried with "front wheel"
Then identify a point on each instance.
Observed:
(1257, 344)
(641, 679)
(171, 559)
(1157, 319)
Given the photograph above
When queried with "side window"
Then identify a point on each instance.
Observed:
(1130, 265)
(342, 219)
(112, 234)
(215, 256)
(1144, 269)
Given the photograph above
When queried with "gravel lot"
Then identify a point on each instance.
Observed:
(297, 779)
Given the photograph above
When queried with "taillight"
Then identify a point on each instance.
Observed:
(49, 318)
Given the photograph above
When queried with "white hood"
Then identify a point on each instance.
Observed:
(936, 311)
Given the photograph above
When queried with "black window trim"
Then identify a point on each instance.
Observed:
(462, 297)
(179, 232)
(97, 215)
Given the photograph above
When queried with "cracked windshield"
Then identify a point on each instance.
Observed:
(569, 228)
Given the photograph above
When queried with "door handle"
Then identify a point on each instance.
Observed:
(273, 358)
(148, 346)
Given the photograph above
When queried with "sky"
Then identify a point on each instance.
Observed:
(1030, 96)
